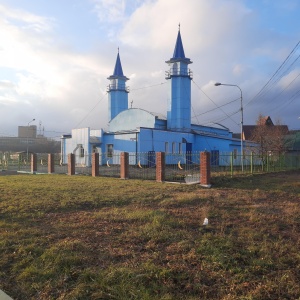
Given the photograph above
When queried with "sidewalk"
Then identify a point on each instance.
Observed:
(3, 296)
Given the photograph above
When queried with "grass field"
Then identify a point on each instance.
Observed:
(80, 237)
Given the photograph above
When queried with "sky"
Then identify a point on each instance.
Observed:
(56, 56)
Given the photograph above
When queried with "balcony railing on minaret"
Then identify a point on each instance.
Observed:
(179, 72)
(117, 87)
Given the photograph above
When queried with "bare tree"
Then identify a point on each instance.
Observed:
(270, 138)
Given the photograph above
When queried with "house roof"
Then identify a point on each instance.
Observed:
(266, 121)
(248, 130)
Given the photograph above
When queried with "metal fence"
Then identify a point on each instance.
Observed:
(14, 162)
(142, 165)
(110, 165)
(231, 164)
(183, 167)
(179, 167)
(19, 162)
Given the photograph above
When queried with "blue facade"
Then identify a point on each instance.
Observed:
(179, 101)
(136, 130)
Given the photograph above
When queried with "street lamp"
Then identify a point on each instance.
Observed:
(28, 136)
(242, 119)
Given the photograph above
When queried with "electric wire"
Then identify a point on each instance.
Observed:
(284, 103)
(269, 83)
(93, 108)
(90, 110)
(217, 106)
(150, 86)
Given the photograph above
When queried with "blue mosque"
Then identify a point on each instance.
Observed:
(136, 130)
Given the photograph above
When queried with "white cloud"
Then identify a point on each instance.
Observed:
(50, 79)
(290, 80)
(112, 11)
(6, 84)
(26, 20)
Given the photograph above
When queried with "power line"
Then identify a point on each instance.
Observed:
(91, 110)
(150, 86)
(268, 85)
(284, 104)
(217, 106)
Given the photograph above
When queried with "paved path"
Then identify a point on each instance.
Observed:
(3, 296)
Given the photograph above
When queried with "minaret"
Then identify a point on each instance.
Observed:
(117, 91)
(179, 102)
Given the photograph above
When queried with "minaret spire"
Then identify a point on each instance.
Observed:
(179, 51)
(118, 71)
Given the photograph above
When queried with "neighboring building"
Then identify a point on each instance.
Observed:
(270, 137)
(136, 130)
(29, 141)
(293, 141)
(27, 131)
(249, 130)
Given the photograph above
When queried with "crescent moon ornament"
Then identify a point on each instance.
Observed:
(179, 166)
(139, 164)
(108, 164)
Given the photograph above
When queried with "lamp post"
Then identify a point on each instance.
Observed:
(28, 136)
(242, 120)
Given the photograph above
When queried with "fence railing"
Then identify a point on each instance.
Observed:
(178, 167)
(230, 164)
(183, 167)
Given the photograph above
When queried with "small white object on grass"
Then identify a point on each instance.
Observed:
(205, 222)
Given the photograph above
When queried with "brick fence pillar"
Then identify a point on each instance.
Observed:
(160, 166)
(50, 163)
(33, 163)
(124, 165)
(95, 164)
(205, 169)
(71, 164)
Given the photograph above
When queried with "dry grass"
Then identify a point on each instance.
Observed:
(99, 238)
